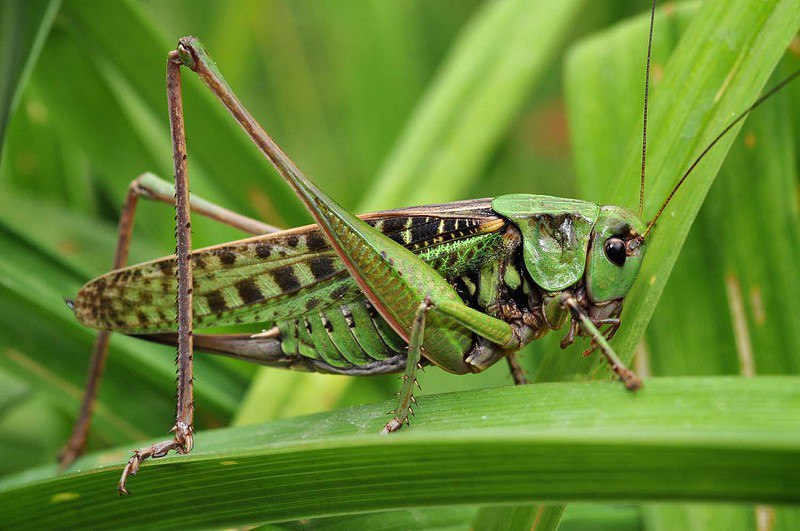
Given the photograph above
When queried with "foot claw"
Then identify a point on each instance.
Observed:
(393, 425)
(131, 467)
(631, 381)
(182, 443)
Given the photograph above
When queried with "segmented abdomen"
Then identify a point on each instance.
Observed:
(344, 336)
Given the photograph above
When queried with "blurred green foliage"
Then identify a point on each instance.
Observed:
(349, 89)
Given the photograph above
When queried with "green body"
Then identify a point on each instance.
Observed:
(295, 281)
(464, 282)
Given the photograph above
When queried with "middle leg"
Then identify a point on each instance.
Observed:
(406, 396)
(517, 372)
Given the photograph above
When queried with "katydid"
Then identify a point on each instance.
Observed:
(459, 285)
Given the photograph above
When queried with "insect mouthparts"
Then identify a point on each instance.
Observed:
(635, 243)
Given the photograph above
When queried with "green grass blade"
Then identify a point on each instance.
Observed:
(485, 81)
(748, 288)
(705, 83)
(23, 28)
(604, 89)
(579, 517)
(430, 519)
(723, 439)
(597, 517)
(121, 37)
(731, 264)
(283, 394)
(505, 518)
(540, 517)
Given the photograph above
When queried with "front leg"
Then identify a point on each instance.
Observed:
(631, 381)
(608, 333)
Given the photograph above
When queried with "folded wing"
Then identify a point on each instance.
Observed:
(276, 277)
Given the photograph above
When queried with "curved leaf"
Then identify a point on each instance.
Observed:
(722, 439)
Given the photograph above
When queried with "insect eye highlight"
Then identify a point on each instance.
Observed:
(615, 251)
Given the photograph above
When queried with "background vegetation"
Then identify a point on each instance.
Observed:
(388, 104)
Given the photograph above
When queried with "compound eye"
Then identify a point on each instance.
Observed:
(615, 251)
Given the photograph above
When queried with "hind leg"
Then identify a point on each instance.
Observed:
(147, 186)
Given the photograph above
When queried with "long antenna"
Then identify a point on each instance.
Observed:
(738, 119)
(646, 93)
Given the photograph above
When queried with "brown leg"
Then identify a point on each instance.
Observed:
(570, 337)
(147, 186)
(183, 430)
(152, 187)
(517, 372)
(77, 439)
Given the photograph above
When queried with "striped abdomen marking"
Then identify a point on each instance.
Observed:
(343, 336)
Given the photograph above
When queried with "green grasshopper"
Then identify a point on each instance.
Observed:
(459, 285)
